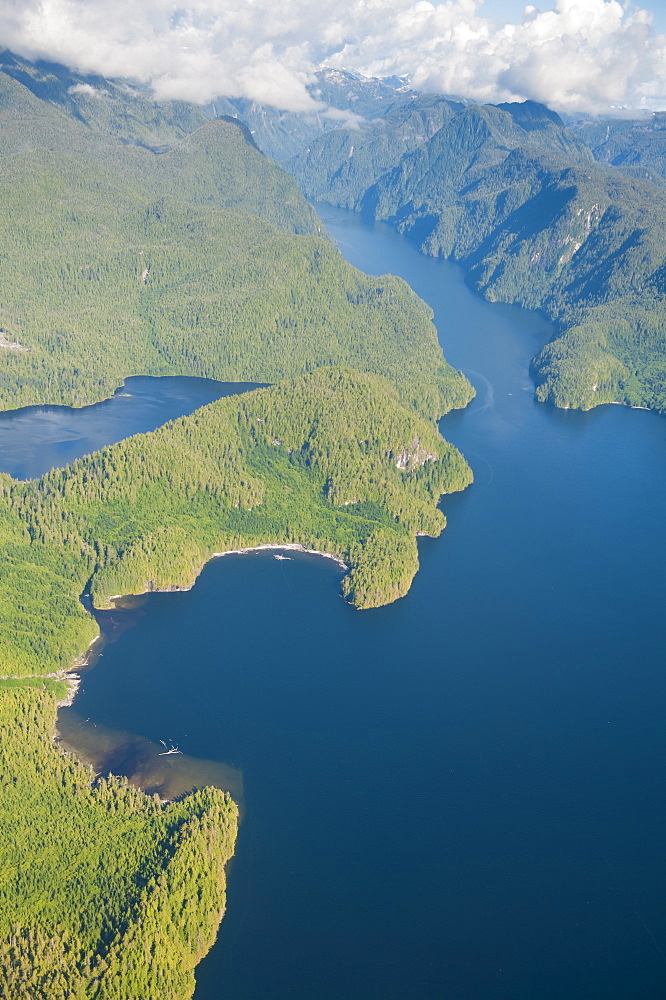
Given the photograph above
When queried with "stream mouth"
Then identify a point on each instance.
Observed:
(143, 762)
(156, 767)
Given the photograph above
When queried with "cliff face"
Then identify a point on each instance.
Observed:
(518, 200)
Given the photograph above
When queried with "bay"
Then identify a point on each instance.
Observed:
(459, 795)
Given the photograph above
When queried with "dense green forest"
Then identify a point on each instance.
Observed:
(635, 144)
(105, 892)
(97, 877)
(202, 258)
(137, 237)
(506, 190)
(331, 460)
(520, 202)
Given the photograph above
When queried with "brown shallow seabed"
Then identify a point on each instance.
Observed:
(143, 762)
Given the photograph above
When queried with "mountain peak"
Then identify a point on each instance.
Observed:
(531, 115)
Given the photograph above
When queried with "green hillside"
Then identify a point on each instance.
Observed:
(362, 155)
(518, 200)
(203, 259)
(331, 460)
(95, 878)
(105, 891)
(635, 145)
(137, 237)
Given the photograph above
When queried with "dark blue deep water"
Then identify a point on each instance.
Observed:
(459, 796)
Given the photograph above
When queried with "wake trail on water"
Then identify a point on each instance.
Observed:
(489, 401)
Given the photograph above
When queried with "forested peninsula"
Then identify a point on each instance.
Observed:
(147, 238)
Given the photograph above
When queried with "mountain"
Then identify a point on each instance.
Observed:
(198, 256)
(158, 238)
(340, 166)
(635, 145)
(123, 109)
(346, 99)
(517, 198)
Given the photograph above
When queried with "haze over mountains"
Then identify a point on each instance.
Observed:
(577, 55)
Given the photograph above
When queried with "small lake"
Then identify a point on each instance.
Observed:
(35, 439)
(459, 796)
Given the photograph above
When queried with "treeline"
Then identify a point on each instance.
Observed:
(202, 259)
(331, 460)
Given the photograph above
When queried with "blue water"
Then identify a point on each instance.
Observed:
(459, 796)
(35, 439)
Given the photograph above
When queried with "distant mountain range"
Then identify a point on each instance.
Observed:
(564, 218)
(567, 218)
(636, 145)
(528, 209)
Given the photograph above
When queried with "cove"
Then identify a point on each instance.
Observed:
(459, 795)
(35, 439)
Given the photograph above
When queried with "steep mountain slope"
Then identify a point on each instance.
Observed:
(345, 99)
(362, 155)
(144, 237)
(124, 110)
(517, 199)
(127, 110)
(201, 258)
(636, 146)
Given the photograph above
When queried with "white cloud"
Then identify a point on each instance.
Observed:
(582, 55)
(86, 89)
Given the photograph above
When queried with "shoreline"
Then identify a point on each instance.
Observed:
(118, 391)
(72, 677)
(73, 681)
(262, 547)
(282, 546)
(85, 660)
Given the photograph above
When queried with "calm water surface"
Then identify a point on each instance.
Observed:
(35, 439)
(459, 796)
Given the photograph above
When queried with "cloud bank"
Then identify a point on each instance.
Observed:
(584, 55)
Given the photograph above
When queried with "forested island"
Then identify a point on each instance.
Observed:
(194, 256)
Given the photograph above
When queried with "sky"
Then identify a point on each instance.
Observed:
(574, 55)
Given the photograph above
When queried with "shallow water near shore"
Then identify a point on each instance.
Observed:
(459, 795)
(158, 767)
